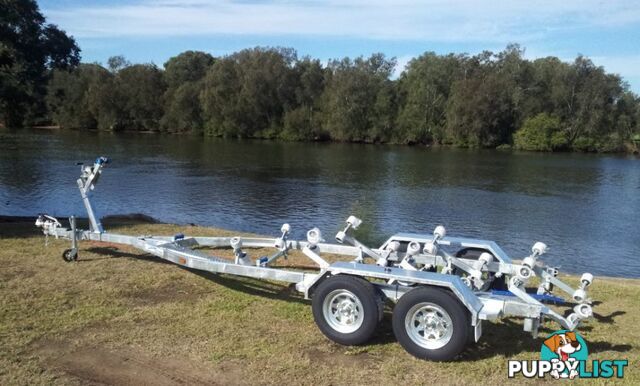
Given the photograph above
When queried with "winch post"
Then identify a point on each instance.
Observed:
(94, 223)
(86, 183)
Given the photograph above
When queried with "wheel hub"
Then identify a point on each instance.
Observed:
(429, 325)
(343, 311)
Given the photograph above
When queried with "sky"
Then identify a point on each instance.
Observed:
(146, 31)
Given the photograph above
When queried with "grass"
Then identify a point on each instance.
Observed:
(118, 316)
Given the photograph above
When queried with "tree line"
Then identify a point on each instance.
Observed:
(484, 100)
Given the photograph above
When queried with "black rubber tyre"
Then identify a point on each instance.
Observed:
(351, 294)
(70, 255)
(434, 299)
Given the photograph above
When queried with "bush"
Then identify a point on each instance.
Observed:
(540, 133)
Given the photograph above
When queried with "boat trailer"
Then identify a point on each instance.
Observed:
(442, 287)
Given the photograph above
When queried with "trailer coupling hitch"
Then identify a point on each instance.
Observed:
(48, 224)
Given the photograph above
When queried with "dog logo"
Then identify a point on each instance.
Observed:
(563, 355)
(565, 350)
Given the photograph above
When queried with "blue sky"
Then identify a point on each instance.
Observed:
(152, 31)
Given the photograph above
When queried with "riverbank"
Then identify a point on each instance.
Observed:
(121, 317)
(631, 147)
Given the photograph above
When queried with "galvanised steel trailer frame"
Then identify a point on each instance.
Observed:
(443, 287)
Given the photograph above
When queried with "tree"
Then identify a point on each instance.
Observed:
(189, 66)
(123, 97)
(221, 101)
(480, 110)
(117, 63)
(303, 121)
(182, 110)
(585, 98)
(424, 90)
(628, 120)
(359, 99)
(107, 104)
(70, 94)
(183, 75)
(141, 88)
(246, 94)
(29, 49)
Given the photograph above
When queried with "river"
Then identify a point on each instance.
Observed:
(585, 207)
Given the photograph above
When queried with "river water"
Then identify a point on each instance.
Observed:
(585, 207)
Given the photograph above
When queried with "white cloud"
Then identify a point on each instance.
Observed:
(432, 20)
(401, 64)
(628, 65)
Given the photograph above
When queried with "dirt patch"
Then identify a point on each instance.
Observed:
(129, 366)
(340, 359)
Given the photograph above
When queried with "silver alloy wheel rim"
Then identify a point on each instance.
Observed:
(343, 311)
(429, 326)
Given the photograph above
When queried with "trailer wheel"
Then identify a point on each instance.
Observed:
(70, 255)
(346, 309)
(431, 323)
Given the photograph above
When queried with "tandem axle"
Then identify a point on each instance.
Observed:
(443, 287)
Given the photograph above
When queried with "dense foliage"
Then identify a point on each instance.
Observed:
(540, 133)
(485, 100)
(29, 49)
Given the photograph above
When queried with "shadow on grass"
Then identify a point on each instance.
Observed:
(253, 287)
(491, 343)
(608, 319)
(507, 339)
(595, 347)
(245, 285)
(115, 253)
(19, 230)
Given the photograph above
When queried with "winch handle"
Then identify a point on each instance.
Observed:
(102, 160)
